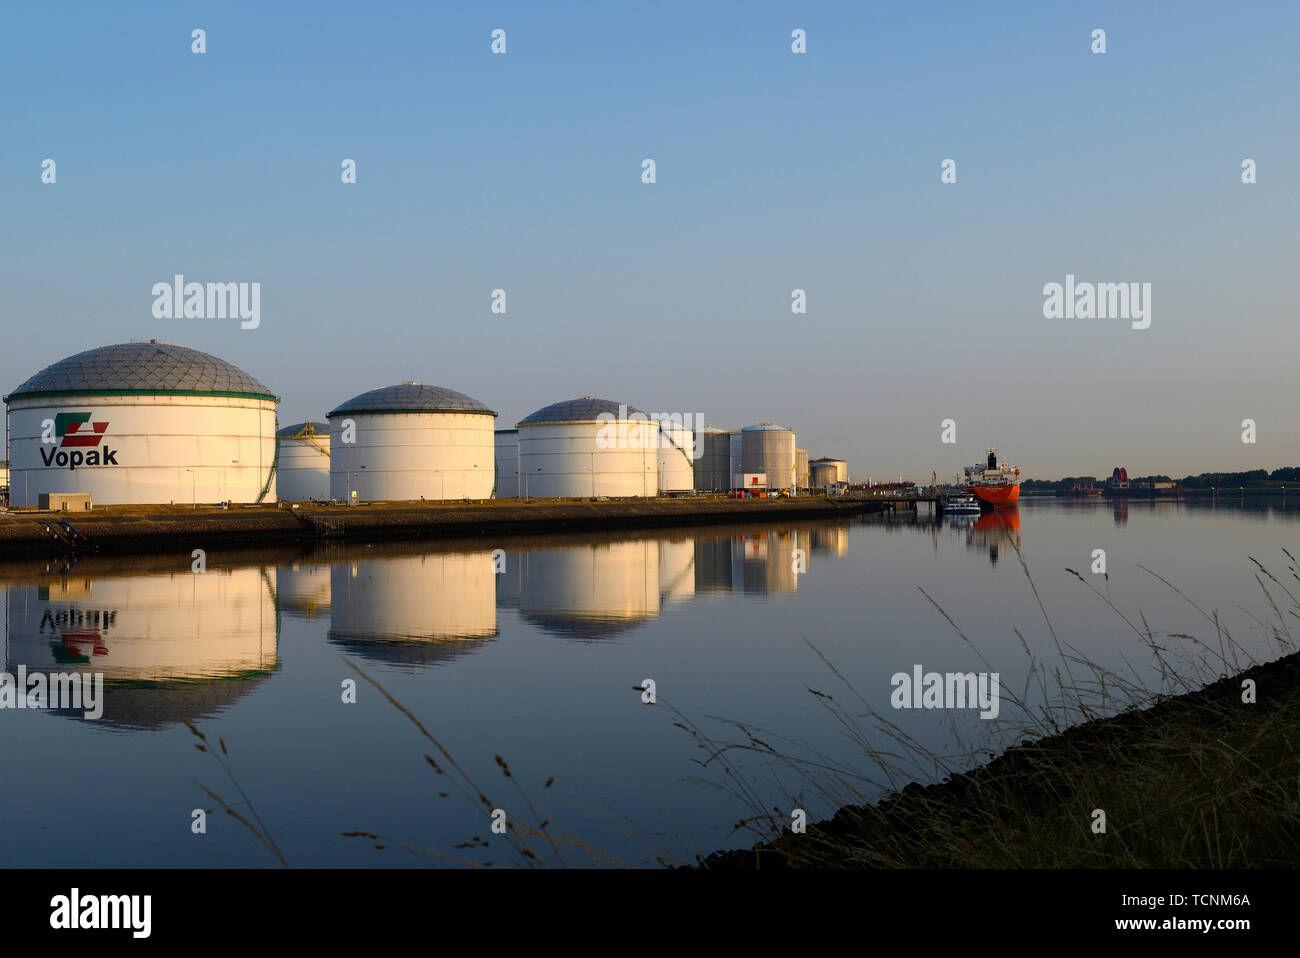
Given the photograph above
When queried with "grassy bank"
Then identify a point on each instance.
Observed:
(1197, 781)
(1203, 774)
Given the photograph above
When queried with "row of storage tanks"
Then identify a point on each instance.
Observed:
(155, 422)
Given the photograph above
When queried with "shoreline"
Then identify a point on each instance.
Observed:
(1159, 774)
(135, 529)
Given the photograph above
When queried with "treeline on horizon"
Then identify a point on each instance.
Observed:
(1252, 479)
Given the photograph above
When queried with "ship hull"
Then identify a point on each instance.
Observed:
(996, 497)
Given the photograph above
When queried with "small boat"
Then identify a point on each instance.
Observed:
(960, 502)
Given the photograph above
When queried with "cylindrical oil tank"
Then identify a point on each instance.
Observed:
(412, 441)
(737, 470)
(823, 474)
(713, 468)
(507, 463)
(840, 467)
(768, 449)
(801, 468)
(302, 469)
(676, 455)
(148, 422)
(588, 447)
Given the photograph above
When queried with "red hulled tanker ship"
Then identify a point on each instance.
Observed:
(995, 485)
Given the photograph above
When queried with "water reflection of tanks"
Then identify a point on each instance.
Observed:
(676, 570)
(833, 540)
(590, 591)
(171, 647)
(767, 561)
(303, 589)
(713, 572)
(413, 610)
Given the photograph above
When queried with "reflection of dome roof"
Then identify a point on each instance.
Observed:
(583, 627)
(148, 368)
(410, 397)
(586, 409)
(387, 651)
(318, 428)
(151, 706)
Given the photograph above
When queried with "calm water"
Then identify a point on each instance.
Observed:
(538, 664)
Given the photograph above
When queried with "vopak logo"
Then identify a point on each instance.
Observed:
(74, 431)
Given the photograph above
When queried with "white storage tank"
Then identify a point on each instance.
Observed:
(824, 474)
(676, 458)
(801, 468)
(148, 422)
(411, 441)
(737, 471)
(588, 447)
(302, 471)
(507, 463)
(839, 467)
(768, 449)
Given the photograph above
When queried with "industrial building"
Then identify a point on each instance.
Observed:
(676, 458)
(767, 457)
(588, 447)
(713, 468)
(143, 422)
(507, 463)
(838, 470)
(829, 475)
(411, 441)
(302, 471)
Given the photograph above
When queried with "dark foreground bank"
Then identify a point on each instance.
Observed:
(1201, 780)
(173, 528)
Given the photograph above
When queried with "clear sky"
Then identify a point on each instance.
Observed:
(775, 171)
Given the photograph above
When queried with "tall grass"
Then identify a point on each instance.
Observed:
(1201, 780)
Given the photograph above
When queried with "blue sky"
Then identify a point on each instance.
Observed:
(775, 171)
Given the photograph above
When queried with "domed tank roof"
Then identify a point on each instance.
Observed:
(318, 428)
(150, 368)
(410, 397)
(585, 409)
(765, 427)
